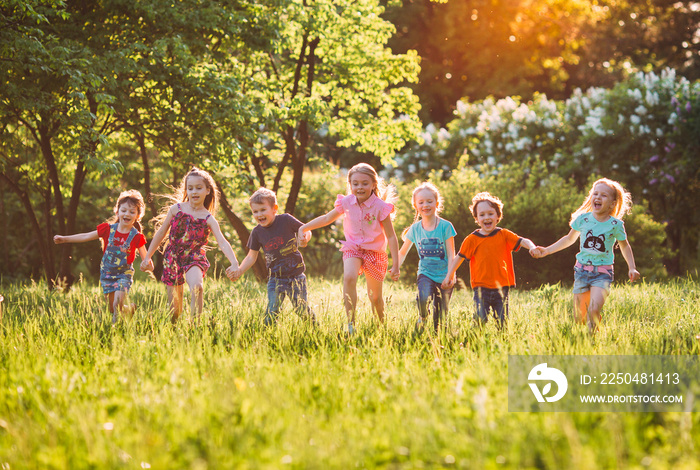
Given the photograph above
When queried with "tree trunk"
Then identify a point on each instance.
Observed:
(44, 250)
(64, 269)
(299, 153)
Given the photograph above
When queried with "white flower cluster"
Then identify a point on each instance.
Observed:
(643, 111)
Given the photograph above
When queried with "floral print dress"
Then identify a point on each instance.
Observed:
(188, 237)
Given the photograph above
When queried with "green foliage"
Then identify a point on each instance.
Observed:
(225, 392)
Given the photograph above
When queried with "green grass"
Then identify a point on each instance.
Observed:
(226, 392)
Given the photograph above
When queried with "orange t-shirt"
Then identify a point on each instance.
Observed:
(491, 258)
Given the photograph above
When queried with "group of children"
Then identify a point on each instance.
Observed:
(367, 210)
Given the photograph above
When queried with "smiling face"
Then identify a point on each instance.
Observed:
(602, 200)
(361, 186)
(425, 203)
(127, 214)
(487, 217)
(264, 213)
(197, 190)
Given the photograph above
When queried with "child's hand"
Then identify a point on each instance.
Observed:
(234, 273)
(449, 284)
(634, 275)
(395, 272)
(58, 239)
(147, 264)
(538, 252)
(301, 235)
(303, 240)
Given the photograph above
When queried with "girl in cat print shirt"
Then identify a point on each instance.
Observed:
(599, 222)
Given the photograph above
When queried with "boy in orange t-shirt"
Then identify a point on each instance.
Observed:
(489, 251)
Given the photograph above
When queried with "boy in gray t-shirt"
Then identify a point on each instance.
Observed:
(277, 236)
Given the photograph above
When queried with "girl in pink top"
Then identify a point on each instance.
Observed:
(368, 208)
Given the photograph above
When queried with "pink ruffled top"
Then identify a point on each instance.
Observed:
(363, 222)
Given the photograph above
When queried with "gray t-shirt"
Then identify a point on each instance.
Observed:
(279, 242)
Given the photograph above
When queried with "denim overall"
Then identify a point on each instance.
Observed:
(115, 272)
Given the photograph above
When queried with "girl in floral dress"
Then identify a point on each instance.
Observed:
(189, 222)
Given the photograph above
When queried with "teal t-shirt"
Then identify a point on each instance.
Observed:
(431, 248)
(598, 239)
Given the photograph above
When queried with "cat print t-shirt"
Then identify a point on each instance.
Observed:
(598, 239)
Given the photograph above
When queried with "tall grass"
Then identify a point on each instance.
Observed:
(227, 392)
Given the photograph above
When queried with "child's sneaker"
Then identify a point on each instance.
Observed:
(351, 329)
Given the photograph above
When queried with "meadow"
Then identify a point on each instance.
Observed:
(226, 392)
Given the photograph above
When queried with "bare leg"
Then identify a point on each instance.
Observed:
(597, 299)
(175, 301)
(581, 302)
(374, 291)
(351, 269)
(110, 302)
(195, 279)
(118, 304)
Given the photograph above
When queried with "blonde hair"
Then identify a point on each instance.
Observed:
(493, 201)
(428, 186)
(134, 198)
(384, 191)
(263, 195)
(623, 200)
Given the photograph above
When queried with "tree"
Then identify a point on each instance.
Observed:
(478, 48)
(81, 73)
(329, 73)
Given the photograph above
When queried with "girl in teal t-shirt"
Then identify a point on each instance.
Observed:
(599, 223)
(434, 240)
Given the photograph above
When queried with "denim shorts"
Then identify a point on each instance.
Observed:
(584, 280)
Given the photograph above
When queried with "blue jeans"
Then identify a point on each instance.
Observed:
(279, 288)
(431, 293)
(494, 299)
(584, 280)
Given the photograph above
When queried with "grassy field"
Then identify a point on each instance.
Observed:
(226, 392)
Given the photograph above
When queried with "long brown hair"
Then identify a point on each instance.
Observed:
(179, 194)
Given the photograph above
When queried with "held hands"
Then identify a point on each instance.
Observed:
(449, 283)
(147, 265)
(233, 273)
(303, 238)
(538, 252)
(303, 235)
(395, 272)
